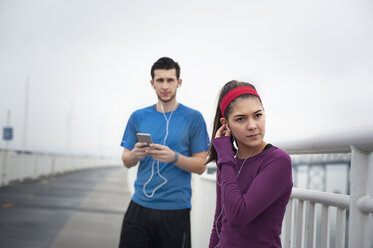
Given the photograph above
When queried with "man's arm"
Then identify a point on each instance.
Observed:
(194, 164)
(128, 158)
(131, 157)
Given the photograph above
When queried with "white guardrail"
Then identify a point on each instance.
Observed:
(21, 165)
(303, 225)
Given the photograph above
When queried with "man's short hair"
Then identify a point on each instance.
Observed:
(165, 63)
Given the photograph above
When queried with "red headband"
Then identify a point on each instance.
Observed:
(233, 94)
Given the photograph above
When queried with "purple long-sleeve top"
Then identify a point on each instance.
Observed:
(250, 208)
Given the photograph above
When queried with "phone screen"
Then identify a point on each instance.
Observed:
(144, 137)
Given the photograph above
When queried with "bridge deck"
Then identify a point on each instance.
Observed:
(77, 209)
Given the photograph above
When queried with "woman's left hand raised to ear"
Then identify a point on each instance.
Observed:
(223, 131)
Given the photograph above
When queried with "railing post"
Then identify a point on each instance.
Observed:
(4, 168)
(311, 227)
(1, 166)
(289, 230)
(299, 239)
(360, 224)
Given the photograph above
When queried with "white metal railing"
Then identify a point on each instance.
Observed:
(301, 227)
(300, 218)
(21, 165)
(359, 204)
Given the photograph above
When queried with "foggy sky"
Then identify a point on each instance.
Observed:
(87, 64)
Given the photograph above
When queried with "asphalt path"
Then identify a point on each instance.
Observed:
(77, 209)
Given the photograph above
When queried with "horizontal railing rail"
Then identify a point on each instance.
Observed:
(324, 198)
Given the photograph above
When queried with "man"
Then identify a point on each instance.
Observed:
(159, 212)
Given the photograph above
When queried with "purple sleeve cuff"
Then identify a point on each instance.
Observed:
(223, 147)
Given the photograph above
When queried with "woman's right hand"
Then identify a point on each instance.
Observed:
(223, 146)
(223, 131)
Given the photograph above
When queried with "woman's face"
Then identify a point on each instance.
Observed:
(247, 122)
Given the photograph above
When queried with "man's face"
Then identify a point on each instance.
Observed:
(165, 84)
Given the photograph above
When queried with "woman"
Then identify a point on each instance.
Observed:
(254, 178)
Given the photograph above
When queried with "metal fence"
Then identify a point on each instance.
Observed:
(309, 214)
(300, 226)
(16, 166)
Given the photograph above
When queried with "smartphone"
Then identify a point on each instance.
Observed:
(144, 137)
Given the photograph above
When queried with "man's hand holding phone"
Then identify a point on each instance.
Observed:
(140, 150)
(142, 146)
(145, 147)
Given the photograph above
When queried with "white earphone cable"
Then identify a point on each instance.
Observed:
(158, 172)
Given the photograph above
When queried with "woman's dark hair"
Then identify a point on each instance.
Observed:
(211, 154)
(165, 63)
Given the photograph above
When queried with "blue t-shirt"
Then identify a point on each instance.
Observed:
(187, 134)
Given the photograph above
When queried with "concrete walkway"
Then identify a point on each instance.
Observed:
(78, 209)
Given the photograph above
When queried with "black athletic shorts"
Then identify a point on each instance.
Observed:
(151, 228)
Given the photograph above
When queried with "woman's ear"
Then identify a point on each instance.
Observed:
(223, 121)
